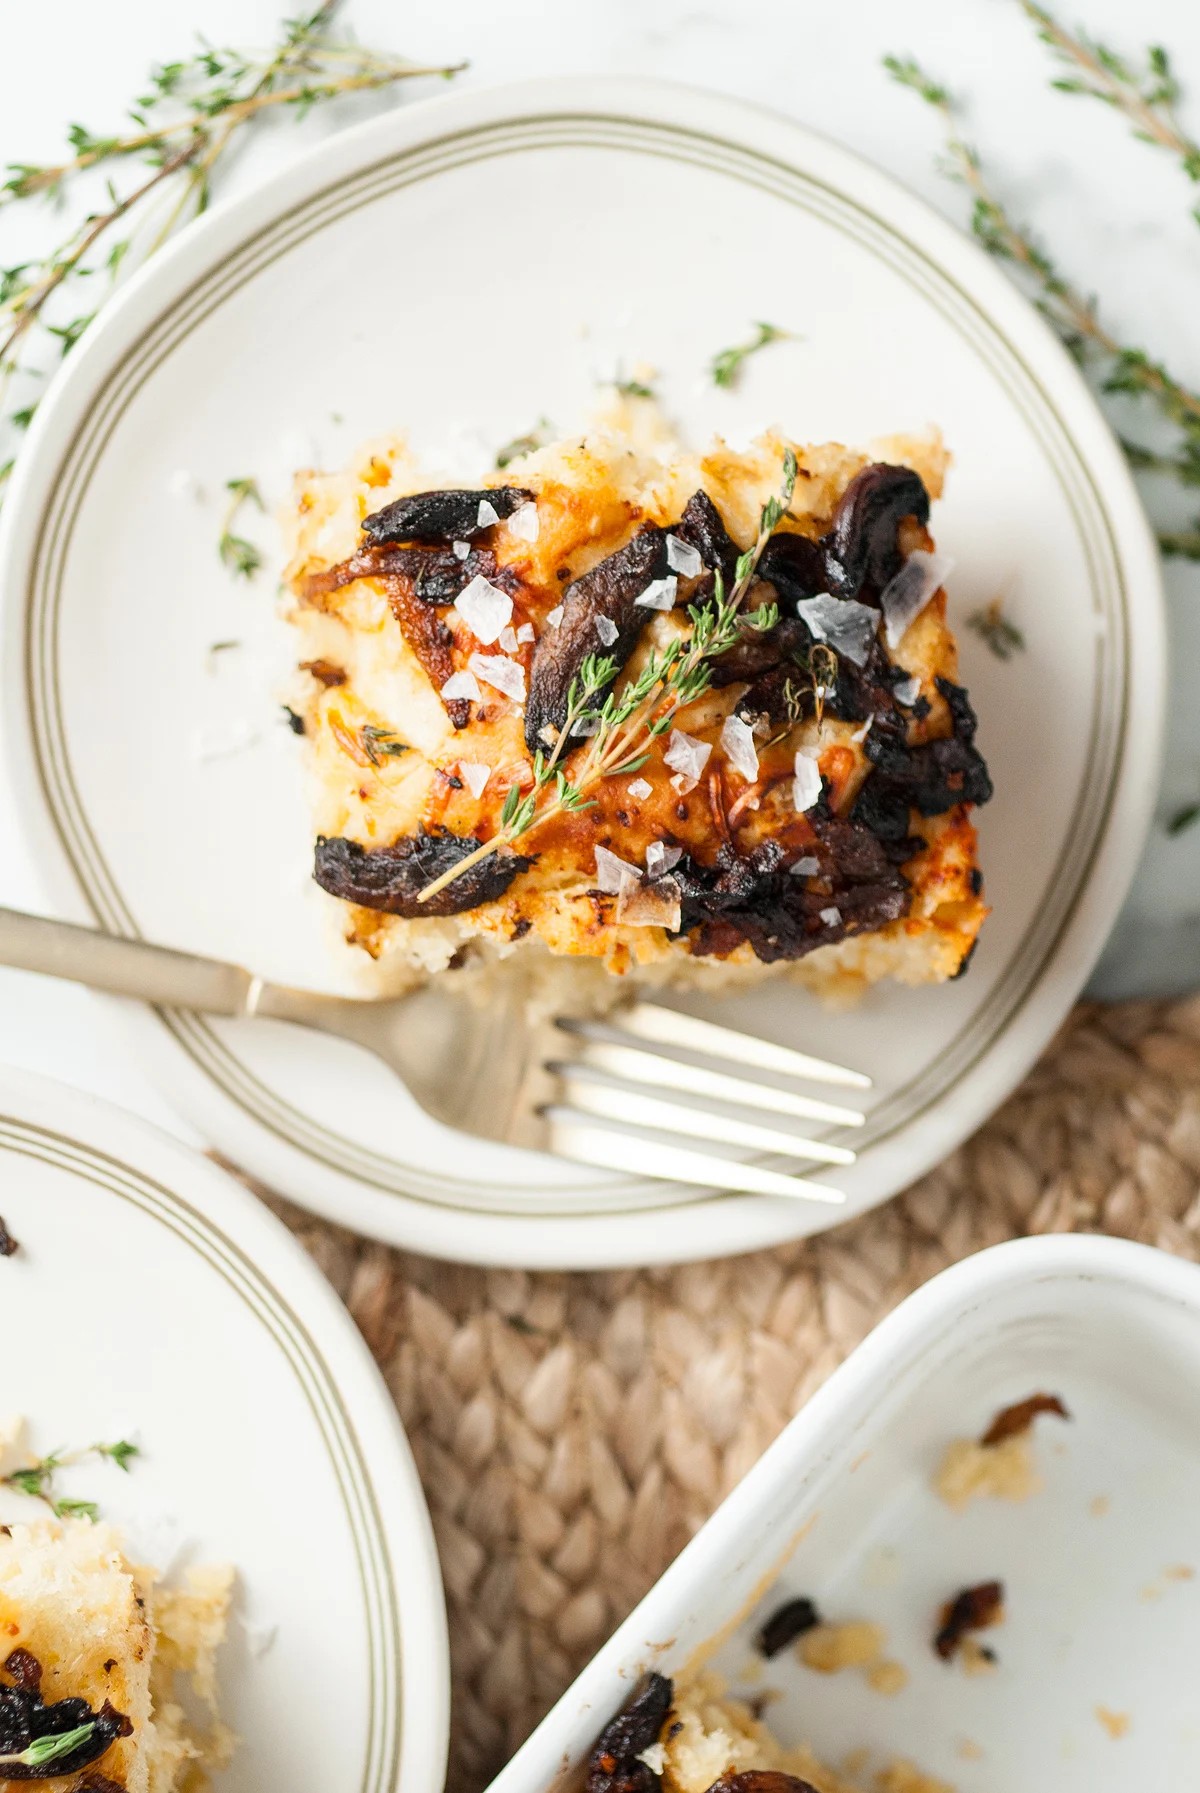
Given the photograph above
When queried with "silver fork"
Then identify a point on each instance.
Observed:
(633, 1092)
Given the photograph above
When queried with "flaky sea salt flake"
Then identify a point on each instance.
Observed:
(844, 624)
(904, 597)
(524, 522)
(683, 559)
(686, 755)
(501, 673)
(474, 775)
(659, 594)
(487, 515)
(737, 738)
(461, 684)
(485, 608)
(806, 782)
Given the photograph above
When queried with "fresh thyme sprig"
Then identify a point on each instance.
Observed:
(620, 727)
(1120, 367)
(182, 125)
(52, 1747)
(1147, 95)
(726, 366)
(37, 1479)
(241, 556)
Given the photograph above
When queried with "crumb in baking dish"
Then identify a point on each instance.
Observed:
(623, 709)
(998, 1465)
(693, 1737)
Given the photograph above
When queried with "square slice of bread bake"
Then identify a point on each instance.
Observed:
(807, 812)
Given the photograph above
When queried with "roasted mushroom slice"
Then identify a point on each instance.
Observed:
(615, 1764)
(436, 575)
(862, 550)
(795, 566)
(392, 878)
(761, 1780)
(758, 898)
(603, 600)
(759, 651)
(930, 779)
(702, 528)
(455, 516)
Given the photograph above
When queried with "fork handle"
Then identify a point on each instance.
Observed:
(156, 974)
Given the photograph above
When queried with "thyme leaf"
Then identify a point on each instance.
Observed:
(1002, 636)
(49, 1748)
(38, 1479)
(726, 366)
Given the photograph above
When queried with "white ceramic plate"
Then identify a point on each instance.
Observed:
(160, 1301)
(1094, 1616)
(465, 266)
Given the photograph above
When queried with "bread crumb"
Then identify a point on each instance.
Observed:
(888, 1677)
(975, 1657)
(831, 1648)
(1115, 1723)
(903, 1777)
(972, 1471)
(1099, 1507)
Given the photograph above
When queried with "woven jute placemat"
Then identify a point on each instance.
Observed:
(573, 1431)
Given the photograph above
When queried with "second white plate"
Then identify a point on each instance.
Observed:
(458, 269)
(152, 1298)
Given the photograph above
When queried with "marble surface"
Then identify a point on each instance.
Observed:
(1116, 213)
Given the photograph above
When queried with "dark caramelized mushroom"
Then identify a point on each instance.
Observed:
(436, 575)
(8, 1245)
(761, 1780)
(756, 898)
(759, 651)
(25, 1718)
(441, 516)
(974, 1609)
(701, 528)
(614, 1765)
(392, 878)
(786, 1624)
(610, 592)
(930, 779)
(862, 549)
(1012, 1421)
(416, 580)
(795, 566)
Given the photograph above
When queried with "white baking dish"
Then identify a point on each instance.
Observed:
(841, 1509)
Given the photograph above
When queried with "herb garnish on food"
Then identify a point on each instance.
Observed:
(621, 728)
(38, 1479)
(727, 365)
(180, 127)
(49, 1748)
(241, 557)
(381, 743)
(1145, 96)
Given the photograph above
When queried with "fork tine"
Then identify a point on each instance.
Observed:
(670, 1027)
(637, 1108)
(645, 1069)
(644, 1156)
